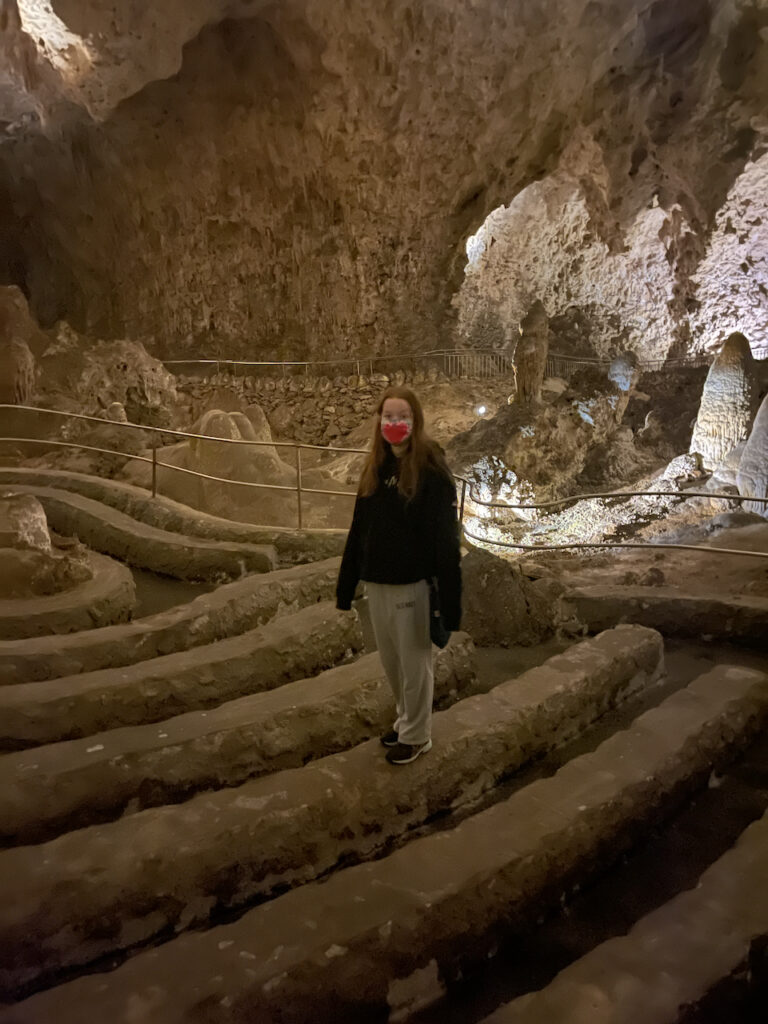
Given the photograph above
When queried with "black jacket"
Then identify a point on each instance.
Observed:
(394, 540)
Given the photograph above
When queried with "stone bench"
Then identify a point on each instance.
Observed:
(108, 597)
(65, 786)
(293, 546)
(231, 609)
(742, 620)
(291, 647)
(147, 547)
(375, 938)
(671, 958)
(171, 867)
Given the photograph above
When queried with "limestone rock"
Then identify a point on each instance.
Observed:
(684, 467)
(544, 448)
(728, 402)
(17, 360)
(147, 222)
(82, 375)
(23, 523)
(752, 474)
(501, 607)
(30, 566)
(531, 353)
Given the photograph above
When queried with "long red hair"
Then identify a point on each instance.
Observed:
(421, 452)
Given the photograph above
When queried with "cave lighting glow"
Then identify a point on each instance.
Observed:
(69, 53)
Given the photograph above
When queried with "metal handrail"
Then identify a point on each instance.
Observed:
(166, 465)
(615, 494)
(467, 487)
(184, 434)
(356, 361)
(627, 544)
(492, 354)
(299, 489)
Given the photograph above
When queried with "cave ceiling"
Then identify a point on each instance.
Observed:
(284, 179)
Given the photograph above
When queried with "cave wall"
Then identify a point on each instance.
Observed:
(258, 180)
(654, 241)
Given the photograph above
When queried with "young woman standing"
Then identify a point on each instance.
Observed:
(404, 533)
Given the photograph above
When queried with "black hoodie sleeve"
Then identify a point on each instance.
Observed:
(448, 553)
(349, 572)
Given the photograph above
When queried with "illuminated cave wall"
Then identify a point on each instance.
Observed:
(224, 177)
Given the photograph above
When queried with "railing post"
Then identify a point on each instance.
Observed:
(298, 484)
(154, 469)
(463, 498)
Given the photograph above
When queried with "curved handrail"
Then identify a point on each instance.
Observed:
(701, 548)
(183, 434)
(467, 489)
(614, 494)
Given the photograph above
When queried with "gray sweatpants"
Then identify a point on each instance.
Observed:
(400, 619)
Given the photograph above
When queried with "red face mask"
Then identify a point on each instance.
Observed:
(397, 432)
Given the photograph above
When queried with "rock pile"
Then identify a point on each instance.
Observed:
(30, 564)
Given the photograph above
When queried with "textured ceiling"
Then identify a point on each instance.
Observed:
(302, 177)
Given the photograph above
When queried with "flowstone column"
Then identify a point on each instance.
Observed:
(531, 354)
(752, 475)
(728, 402)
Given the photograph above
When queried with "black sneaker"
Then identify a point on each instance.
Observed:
(404, 753)
(389, 739)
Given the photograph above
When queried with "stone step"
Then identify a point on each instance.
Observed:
(288, 648)
(293, 546)
(374, 941)
(231, 609)
(126, 882)
(172, 554)
(108, 597)
(731, 620)
(671, 958)
(63, 786)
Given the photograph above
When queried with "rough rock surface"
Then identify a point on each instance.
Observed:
(68, 785)
(78, 374)
(531, 353)
(64, 596)
(293, 546)
(17, 358)
(264, 485)
(501, 606)
(171, 554)
(668, 959)
(540, 450)
(728, 402)
(230, 609)
(23, 523)
(237, 193)
(432, 909)
(30, 565)
(291, 647)
(752, 474)
(292, 826)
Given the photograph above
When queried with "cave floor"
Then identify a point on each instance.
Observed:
(668, 862)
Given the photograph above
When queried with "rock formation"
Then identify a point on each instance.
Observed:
(538, 452)
(531, 353)
(219, 178)
(752, 474)
(30, 565)
(17, 360)
(79, 374)
(502, 607)
(728, 402)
